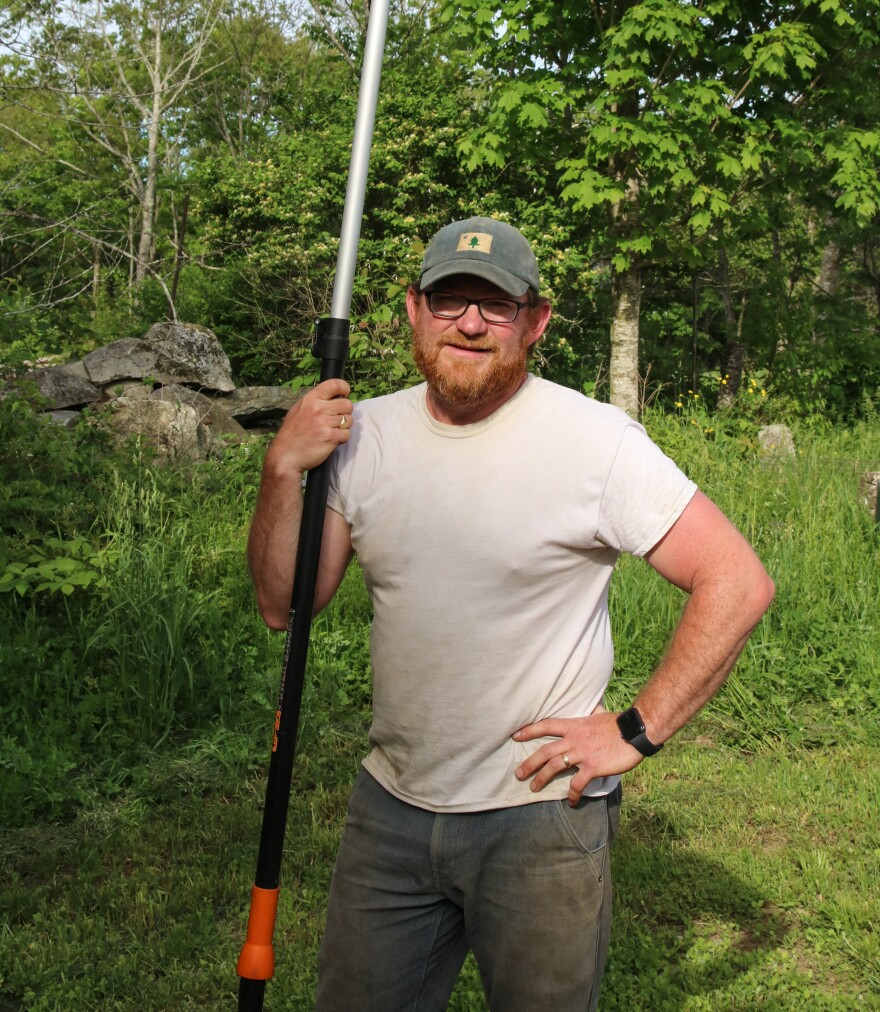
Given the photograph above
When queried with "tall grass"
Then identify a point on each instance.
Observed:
(164, 640)
(821, 638)
(159, 638)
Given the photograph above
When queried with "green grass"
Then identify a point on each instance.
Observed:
(135, 725)
(742, 881)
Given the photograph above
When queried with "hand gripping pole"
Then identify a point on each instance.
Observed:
(256, 963)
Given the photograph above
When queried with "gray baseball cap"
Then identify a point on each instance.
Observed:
(486, 248)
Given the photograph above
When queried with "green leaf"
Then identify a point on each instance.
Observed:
(729, 166)
(531, 114)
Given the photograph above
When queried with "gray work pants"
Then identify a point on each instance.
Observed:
(528, 889)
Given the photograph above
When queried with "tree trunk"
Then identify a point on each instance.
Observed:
(734, 350)
(96, 277)
(828, 279)
(695, 320)
(148, 209)
(626, 294)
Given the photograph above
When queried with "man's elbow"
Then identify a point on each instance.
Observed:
(762, 590)
(275, 616)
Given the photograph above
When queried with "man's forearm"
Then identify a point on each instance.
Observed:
(272, 543)
(712, 631)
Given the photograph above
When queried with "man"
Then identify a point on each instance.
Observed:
(488, 508)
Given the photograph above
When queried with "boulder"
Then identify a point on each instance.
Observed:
(63, 386)
(776, 444)
(126, 388)
(65, 419)
(868, 486)
(254, 405)
(171, 428)
(209, 412)
(188, 353)
(126, 359)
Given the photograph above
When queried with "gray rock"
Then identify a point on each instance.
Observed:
(62, 385)
(188, 353)
(776, 443)
(250, 405)
(76, 369)
(126, 359)
(63, 418)
(868, 486)
(125, 388)
(211, 414)
(171, 428)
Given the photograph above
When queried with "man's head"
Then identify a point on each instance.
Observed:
(476, 314)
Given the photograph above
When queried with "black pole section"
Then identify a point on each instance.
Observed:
(256, 963)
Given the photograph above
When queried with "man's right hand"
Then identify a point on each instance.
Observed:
(312, 429)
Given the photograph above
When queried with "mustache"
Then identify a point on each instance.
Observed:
(470, 346)
(452, 338)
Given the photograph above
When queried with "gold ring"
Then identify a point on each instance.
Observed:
(342, 423)
(566, 762)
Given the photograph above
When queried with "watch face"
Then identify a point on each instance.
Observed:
(630, 723)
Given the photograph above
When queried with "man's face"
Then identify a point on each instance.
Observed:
(472, 366)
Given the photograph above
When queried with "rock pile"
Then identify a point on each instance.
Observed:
(173, 387)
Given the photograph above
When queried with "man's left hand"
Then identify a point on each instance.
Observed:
(592, 744)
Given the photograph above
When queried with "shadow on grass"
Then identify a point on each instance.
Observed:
(684, 927)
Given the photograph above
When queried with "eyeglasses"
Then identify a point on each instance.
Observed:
(451, 307)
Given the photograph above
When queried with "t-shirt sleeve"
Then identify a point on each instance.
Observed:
(334, 497)
(339, 459)
(646, 492)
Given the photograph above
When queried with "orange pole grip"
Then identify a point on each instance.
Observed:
(257, 959)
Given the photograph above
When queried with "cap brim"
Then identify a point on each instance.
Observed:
(504, 280)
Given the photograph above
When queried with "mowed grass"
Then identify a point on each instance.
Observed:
(747, 866)
(742, 881)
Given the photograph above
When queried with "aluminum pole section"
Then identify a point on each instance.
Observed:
(360, 160)
(256, 963)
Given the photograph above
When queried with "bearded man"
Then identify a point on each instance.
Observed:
(487, 508)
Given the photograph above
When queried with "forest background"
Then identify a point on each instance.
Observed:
(701, 183)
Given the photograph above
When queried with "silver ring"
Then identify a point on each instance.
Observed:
(566, 762)
(342, 422)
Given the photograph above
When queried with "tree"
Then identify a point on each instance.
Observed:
(114, 78)
(668, 116)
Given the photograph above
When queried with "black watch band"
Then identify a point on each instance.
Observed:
(632, 730)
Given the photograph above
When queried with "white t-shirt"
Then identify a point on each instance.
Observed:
(487, 551)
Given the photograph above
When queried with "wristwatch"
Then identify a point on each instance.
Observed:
(632, 729)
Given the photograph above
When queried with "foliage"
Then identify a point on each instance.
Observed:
(727, 153)
(665, 126)
(92, 538)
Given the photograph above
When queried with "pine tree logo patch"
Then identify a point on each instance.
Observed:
(474, 242)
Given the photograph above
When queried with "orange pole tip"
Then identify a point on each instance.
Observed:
(257, 958)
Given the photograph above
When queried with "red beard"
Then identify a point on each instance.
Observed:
(464, 383)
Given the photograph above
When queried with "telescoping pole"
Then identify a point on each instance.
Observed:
(256, 964)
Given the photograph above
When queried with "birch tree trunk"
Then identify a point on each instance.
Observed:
(626, 295)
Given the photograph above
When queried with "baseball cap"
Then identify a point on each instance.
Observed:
(485, 248)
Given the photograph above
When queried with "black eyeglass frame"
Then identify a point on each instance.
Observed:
(474, 302)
